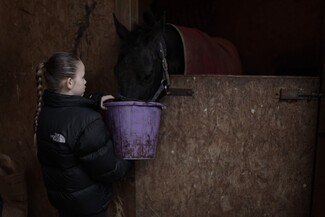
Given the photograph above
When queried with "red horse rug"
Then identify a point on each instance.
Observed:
(208, 55)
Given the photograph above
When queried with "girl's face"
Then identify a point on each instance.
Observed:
(79, 82)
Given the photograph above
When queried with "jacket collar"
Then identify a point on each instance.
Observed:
(52, 99)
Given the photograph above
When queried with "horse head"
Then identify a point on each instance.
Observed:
(139, 68)
(142, 70)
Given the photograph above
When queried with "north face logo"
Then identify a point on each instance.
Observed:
(58, 138)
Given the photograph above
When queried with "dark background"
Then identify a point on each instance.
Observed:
(279, 37)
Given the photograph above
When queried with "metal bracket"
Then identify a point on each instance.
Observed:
(298, 94)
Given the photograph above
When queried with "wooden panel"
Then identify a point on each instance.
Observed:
(231, 150)
(319, 182)
(33, 31)
(124, 191)
(127, 12)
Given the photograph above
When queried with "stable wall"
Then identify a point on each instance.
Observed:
(231, 149)
(30, 32)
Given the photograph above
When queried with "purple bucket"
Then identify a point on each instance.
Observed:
(134, 127)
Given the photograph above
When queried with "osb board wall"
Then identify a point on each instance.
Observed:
(30, 32)
(232, 149)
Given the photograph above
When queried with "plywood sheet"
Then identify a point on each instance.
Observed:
(31, 32)
(232, 149)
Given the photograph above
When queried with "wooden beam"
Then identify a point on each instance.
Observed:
(318, 193)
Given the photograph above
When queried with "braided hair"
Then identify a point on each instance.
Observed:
(59, 66)
(39, 89)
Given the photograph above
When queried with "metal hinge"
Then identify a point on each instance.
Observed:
(298, 94)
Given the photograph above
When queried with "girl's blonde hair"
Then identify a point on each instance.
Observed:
(59, 66)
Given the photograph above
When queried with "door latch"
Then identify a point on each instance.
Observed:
(298, 94)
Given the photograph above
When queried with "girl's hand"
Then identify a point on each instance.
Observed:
(104, 99)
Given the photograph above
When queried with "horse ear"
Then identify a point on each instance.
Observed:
(121, 30)
(162, 20)
(149, 18)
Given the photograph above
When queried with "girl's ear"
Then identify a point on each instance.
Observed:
(69, 83)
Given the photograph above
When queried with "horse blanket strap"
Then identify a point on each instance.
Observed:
(207, 55)
(165, 82)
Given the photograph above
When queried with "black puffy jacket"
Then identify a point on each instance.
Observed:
(76, 154)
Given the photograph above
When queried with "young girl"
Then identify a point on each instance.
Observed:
(74, 147)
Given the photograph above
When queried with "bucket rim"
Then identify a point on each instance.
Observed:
(133, 103)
